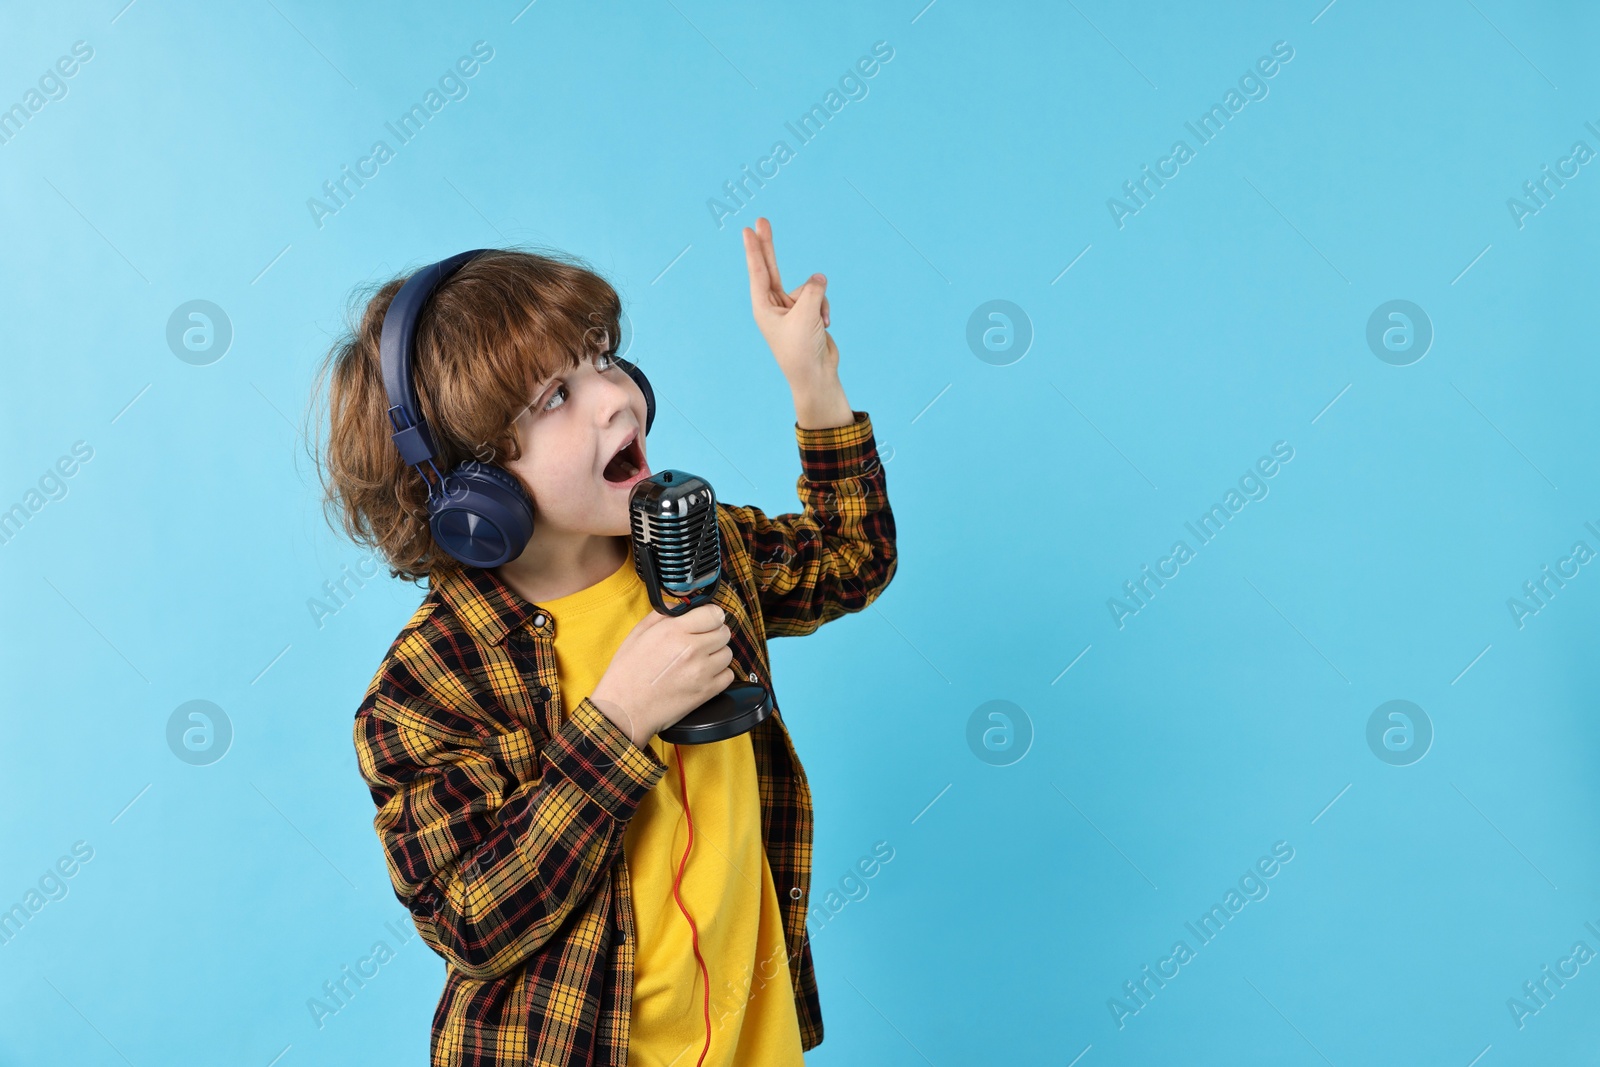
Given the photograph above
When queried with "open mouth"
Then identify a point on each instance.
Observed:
(627, 464)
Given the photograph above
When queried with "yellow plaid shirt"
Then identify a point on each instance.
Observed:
(501, 810)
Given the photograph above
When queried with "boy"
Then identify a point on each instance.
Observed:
(531, 821)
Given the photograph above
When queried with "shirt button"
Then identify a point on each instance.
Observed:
(794, 894)
(538, 620)
(753, 676)
(543, 692)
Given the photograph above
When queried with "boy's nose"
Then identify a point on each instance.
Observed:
(615, 396)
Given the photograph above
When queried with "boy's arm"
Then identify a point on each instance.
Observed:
(838, 554)
(491, 865)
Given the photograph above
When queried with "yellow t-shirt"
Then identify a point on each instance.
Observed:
(727, 883)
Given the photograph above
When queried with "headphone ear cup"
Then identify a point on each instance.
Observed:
(483, 516)
(644, 387)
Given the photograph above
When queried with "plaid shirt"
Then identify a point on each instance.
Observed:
(501, 807)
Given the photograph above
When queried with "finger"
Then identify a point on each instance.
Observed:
(808, 298)
(770, 253)
(703, 619)
(825, 318)
(714, 644)
(760, 282)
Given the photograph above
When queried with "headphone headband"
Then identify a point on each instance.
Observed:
(411, 434)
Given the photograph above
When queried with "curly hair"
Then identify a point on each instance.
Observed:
(506, 320)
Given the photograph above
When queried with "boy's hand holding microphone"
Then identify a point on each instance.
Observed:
(665, 668)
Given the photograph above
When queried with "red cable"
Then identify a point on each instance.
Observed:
(694, 932)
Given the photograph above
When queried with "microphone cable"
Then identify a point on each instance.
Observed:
(694, 932)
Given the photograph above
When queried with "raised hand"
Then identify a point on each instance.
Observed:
(795, 324)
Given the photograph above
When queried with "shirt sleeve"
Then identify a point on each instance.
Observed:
(837, 555)
(492, 843)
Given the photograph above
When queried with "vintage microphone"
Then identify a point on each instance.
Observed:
(673, 522)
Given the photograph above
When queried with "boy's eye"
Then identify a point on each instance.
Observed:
(561, 388)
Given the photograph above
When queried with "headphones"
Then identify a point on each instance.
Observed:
(479, 513)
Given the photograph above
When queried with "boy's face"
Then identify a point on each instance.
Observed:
(569, 433)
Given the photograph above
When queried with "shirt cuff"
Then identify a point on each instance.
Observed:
(594, 753)
(836, 452)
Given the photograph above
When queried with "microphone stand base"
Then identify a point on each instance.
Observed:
(736, 710)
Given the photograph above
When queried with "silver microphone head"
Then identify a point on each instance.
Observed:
(676, 550)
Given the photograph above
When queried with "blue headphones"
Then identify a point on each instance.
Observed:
(479, 513)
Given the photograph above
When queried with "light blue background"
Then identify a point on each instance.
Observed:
(1225, 316)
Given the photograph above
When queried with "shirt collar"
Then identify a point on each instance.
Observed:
(487, 605)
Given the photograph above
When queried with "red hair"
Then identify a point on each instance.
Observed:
(504, 322)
